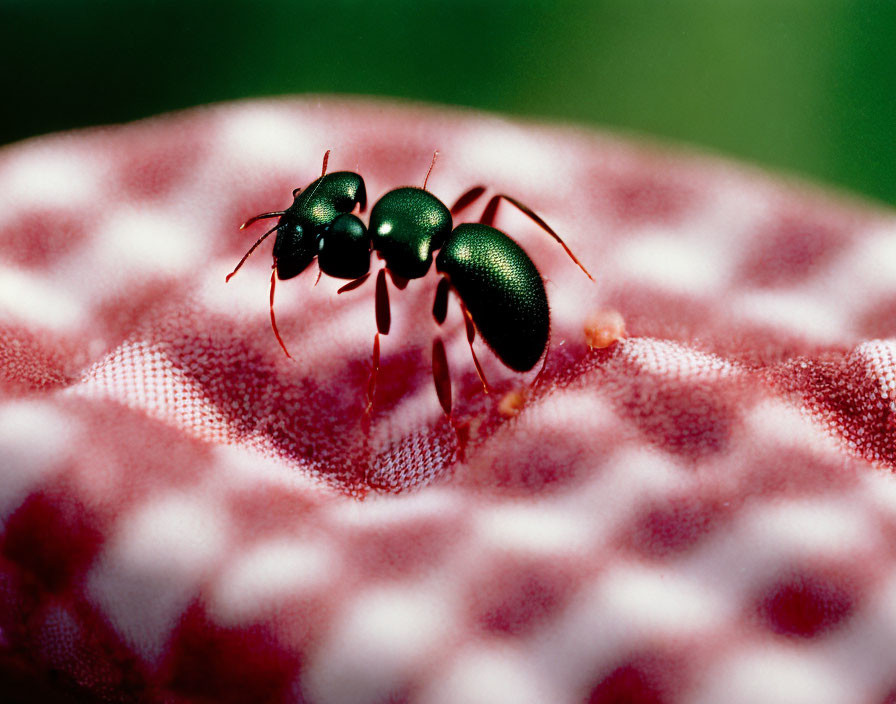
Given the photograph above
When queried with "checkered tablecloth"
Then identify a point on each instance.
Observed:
(703, 512)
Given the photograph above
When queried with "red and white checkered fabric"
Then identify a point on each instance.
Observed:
(704, 512)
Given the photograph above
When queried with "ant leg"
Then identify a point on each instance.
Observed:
(467, 199)
(435, 155)
(488, 218)
(383, 323)
(383, 315)
(440, 305)
(399, 281)
(544, 363)
(441, 375)
(471, 335)
(440, 311)
(273, 320)
(371, 381)
(251, 249)
(352, 285)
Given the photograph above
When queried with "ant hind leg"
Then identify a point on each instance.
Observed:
(467, 199)
(491, 210)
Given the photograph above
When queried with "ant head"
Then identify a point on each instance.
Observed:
(326, 198)
(312, 212)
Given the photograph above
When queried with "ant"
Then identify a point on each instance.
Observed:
(501, 293)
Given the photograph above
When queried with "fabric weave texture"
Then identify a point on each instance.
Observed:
(701, 512)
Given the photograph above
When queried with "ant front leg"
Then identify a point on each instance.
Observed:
(440, 305)
(383, 313)
(441, 375)
(383, 323)
(352, 285)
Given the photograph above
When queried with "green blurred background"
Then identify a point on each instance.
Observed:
(805, 86)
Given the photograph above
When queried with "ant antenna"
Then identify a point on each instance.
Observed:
(435, 155)
(263, 216)
(323, 172)
(258, 242)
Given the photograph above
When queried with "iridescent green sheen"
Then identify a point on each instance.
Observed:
(502, 289)
(406, 226)
(327, 197)
(301, 226)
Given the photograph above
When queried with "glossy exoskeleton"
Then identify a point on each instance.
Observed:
(501, 293)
